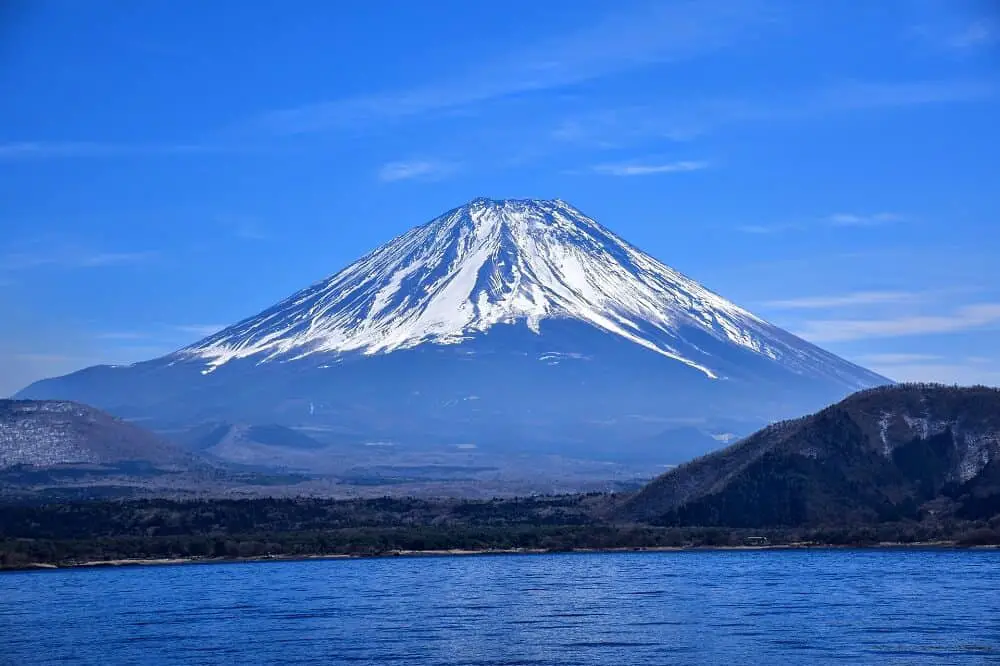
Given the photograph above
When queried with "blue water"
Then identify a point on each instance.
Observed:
(794, 607)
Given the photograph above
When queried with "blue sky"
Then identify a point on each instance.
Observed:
(167, 168)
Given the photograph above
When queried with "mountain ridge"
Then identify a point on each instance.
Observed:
(510, 325)
(888, 453)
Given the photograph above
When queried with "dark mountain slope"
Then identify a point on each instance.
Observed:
(889, 453)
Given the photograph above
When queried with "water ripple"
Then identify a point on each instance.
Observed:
(833, 606)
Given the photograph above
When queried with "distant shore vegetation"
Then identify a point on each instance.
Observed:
(82, 532)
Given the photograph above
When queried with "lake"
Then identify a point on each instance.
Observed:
(702, 607)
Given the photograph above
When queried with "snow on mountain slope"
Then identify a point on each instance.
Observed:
(513, 261)
(515, 326)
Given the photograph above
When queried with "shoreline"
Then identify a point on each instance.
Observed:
(458, 552)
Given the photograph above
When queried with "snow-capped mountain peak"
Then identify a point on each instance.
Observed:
(489, 262)
(506, 326)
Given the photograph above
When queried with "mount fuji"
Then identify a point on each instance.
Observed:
(514, 326)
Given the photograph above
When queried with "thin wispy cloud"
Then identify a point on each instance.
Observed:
(68, 257)
(966, 318)
(690, 119)
(846, 300)
(202, 330)
(126, 355)
(44, 357)
(979, 32)
(415, 169)
(648, 169)
(956, 32)
(27, 150)
(99, 259)
(766, 229)
(896, 358)
(122, 335)
(614, 128)
(161, 333)
(655, 33)
(841, 220)
(43, 150)
(934, 368)
(861, 95)
(127, 347)
(159, 339)
(855, 220)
